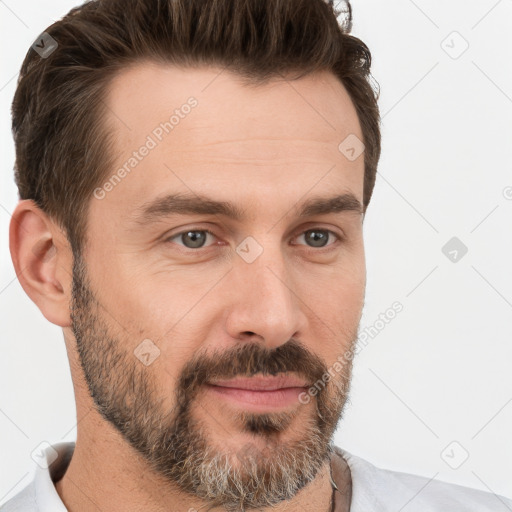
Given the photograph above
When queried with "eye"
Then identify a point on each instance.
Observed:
(196, 238)
(319, 237)
(192, 238)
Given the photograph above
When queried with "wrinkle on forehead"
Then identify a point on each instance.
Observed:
(313, 108)
(280, 136)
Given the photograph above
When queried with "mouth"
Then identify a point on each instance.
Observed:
(260, 394)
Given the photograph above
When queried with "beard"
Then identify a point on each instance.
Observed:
(175, 443)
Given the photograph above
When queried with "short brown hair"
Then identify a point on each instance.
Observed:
(64, 151)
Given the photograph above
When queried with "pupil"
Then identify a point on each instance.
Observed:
(198, 238)
(318, 236)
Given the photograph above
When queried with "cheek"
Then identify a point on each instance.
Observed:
(339, 303)
(173, 312)
(339, 284)
(335, 300)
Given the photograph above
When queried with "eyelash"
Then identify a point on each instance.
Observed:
(338, 237)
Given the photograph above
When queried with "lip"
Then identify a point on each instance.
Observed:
(260, 394)
(258, 401)
(260, 383)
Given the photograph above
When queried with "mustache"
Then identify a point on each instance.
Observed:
(248, 359)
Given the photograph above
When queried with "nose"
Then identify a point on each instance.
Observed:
(264, 301)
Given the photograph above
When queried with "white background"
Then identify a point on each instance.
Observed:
(440, 371)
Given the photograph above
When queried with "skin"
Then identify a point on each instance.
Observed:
(295, 308)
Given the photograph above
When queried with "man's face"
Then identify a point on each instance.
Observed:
(167, 301)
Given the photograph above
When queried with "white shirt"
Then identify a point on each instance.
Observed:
(373, 489)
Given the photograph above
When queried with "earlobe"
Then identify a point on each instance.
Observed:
(42, 261)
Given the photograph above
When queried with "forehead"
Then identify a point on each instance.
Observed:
(147, 91)
(206, 130)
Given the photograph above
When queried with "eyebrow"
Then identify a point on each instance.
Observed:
(185, 204)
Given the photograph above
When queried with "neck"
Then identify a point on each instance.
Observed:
(106, 474)
(341, 480)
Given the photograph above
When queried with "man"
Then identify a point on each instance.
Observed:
(193, 178)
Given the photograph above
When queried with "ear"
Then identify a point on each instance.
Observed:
(42, 261)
